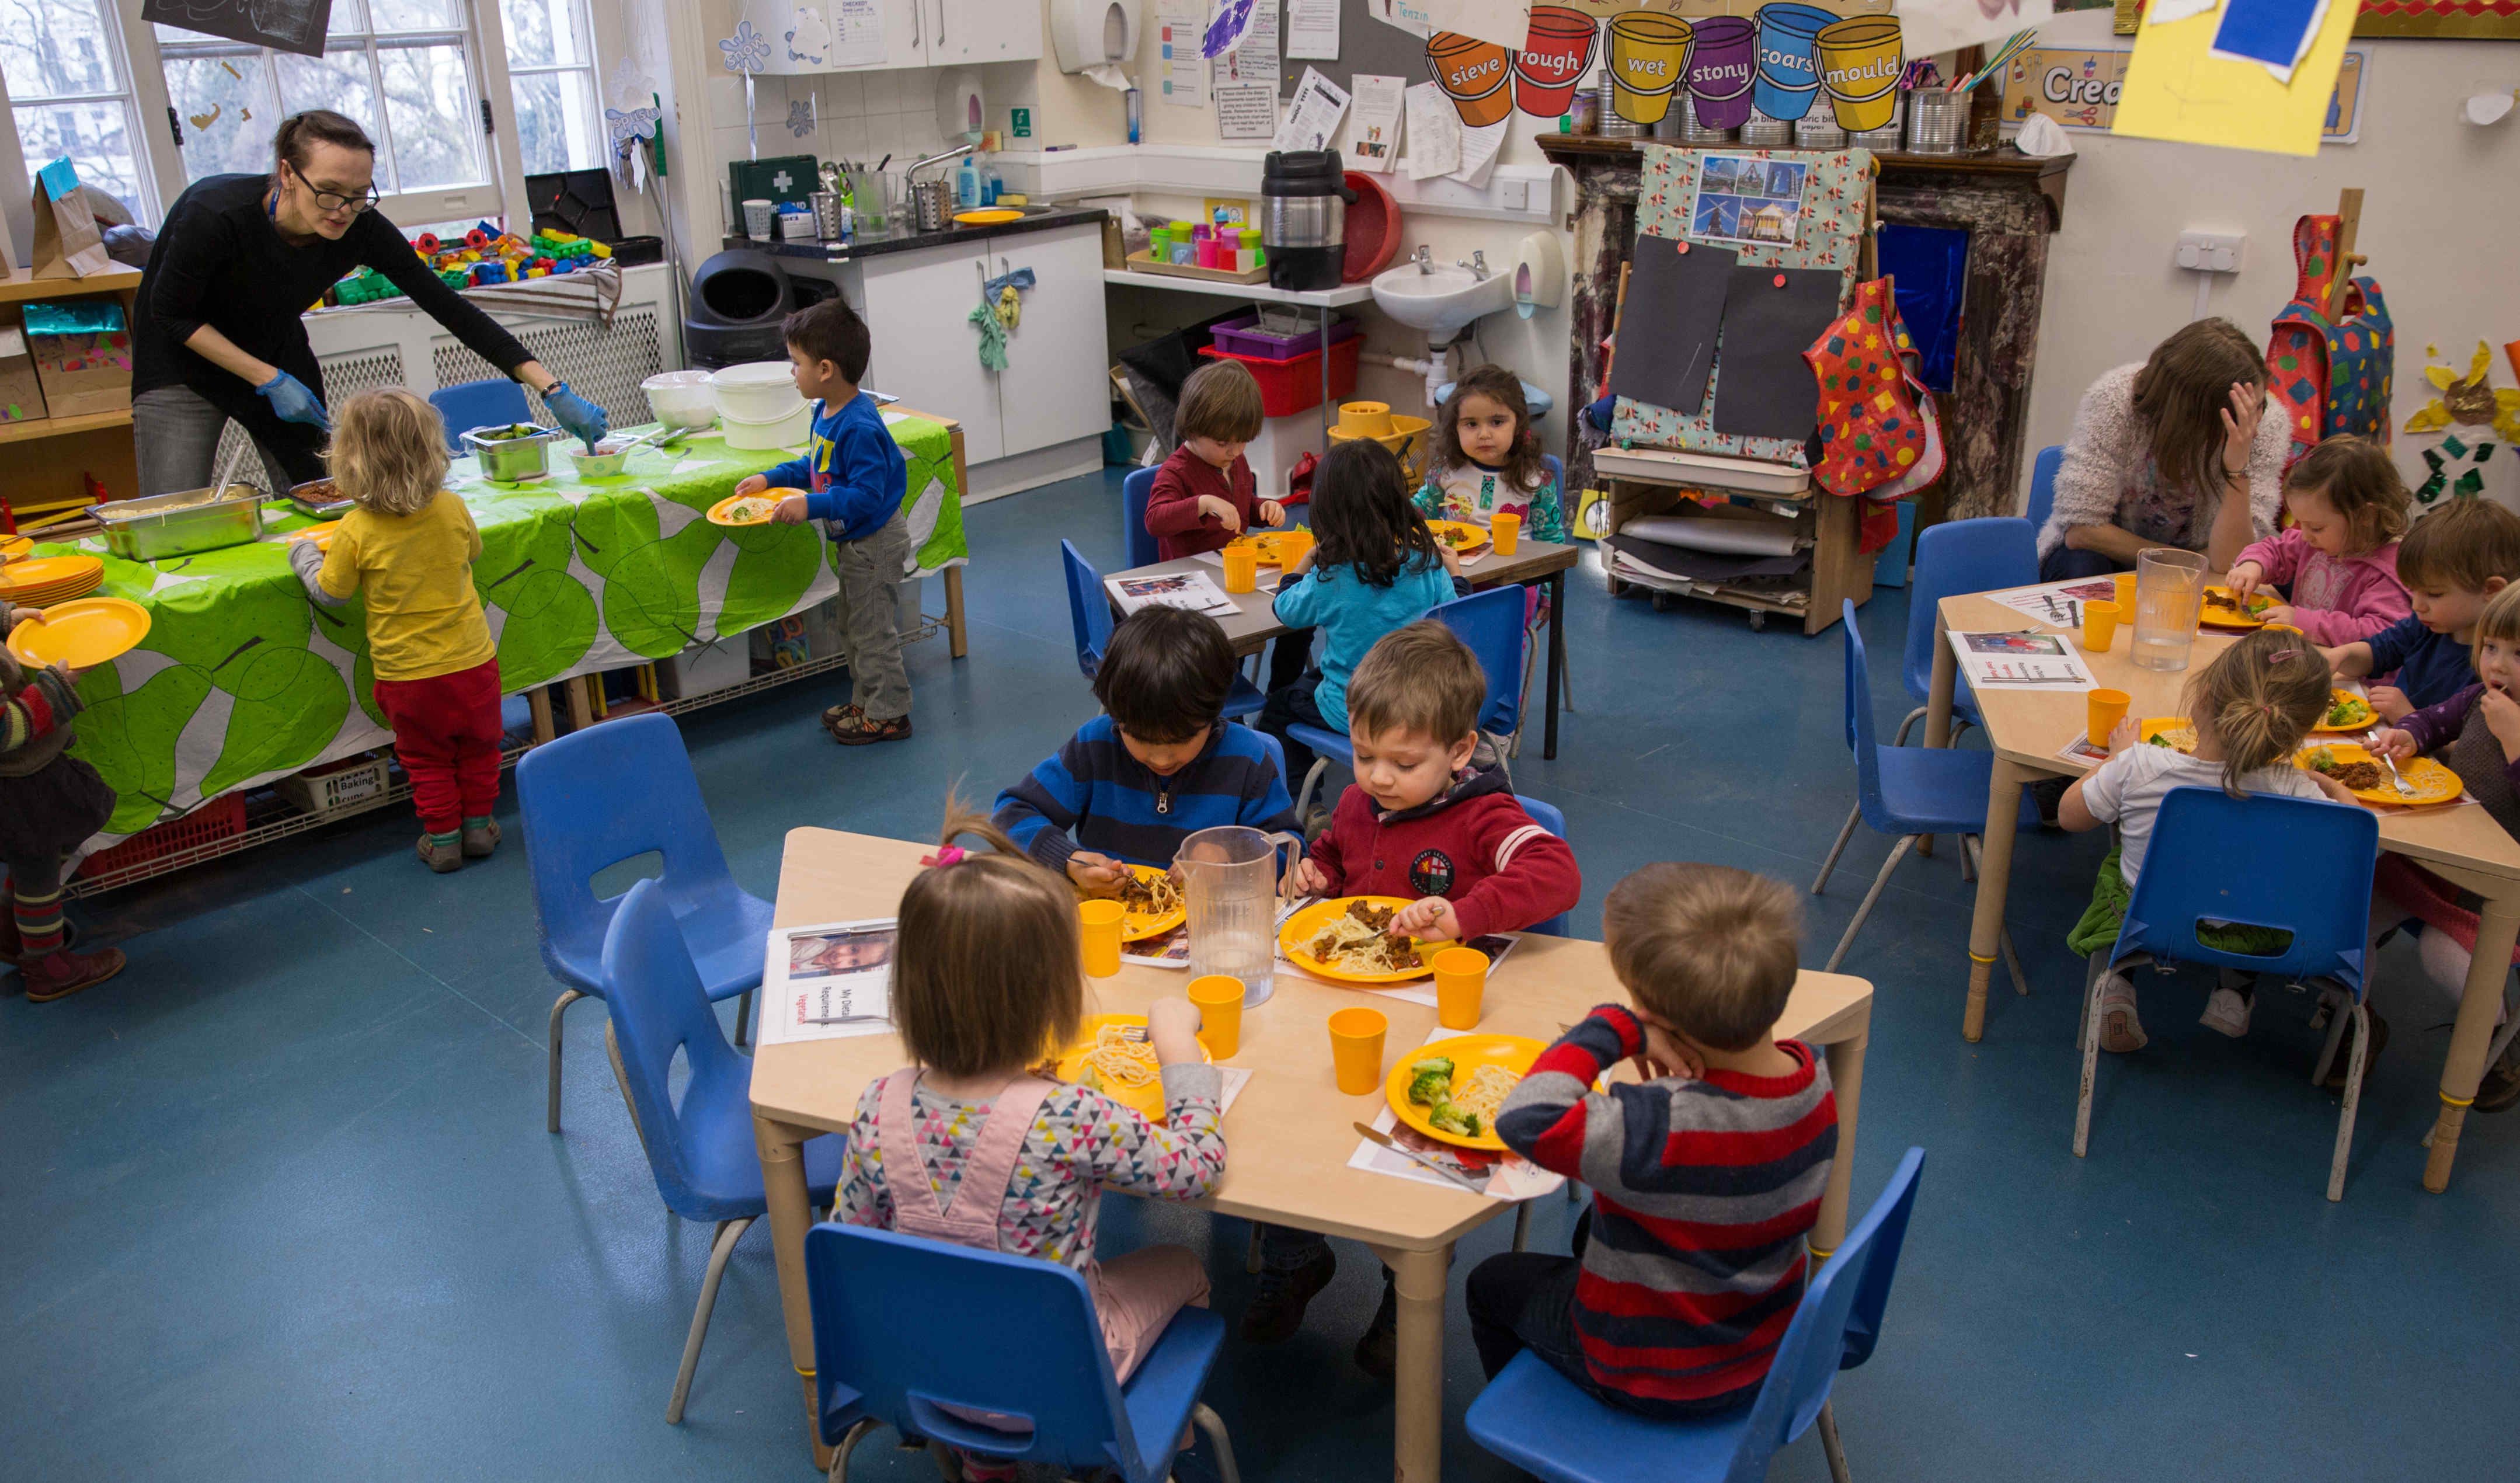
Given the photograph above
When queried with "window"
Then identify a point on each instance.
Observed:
(551, 69)
(69, 93)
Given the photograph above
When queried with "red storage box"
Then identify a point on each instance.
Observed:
(1289, 387)
(222, 818)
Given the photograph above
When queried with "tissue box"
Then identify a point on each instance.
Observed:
(21, 394)
(82, 355)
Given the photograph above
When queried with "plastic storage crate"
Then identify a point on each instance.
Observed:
(222, 818)
(1243, 336)
(335, 786)
(1289, 387)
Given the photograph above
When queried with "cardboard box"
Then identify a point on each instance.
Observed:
(82, 353)
(22, 393)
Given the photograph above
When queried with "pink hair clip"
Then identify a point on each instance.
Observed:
(2281, 654)
(952, 854)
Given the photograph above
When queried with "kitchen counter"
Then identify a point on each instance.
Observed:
(1035, 219)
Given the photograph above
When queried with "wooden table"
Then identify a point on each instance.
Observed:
(1255, 621)
(1289, 1131)
(2028, 728)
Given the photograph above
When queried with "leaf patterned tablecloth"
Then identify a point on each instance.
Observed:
(242, 679)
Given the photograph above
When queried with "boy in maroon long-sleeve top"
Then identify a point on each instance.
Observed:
(1432, 818)
(1205, 494)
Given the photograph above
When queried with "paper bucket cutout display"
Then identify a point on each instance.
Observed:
(1648, 57)
(1788, 73)
(1859, 61)
(1552, 60)
(1721, 66)
(1474, 74)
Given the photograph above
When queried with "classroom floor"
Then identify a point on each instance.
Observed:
(280, 1204)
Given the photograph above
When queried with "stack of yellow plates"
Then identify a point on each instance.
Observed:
(42, 581)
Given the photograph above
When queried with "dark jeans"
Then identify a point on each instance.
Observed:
(1288, 706)
(2065, 564)
(1289, 657)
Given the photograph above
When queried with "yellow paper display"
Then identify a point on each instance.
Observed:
(2177, 90)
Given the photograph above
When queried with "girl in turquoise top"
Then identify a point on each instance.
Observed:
(1374, 567)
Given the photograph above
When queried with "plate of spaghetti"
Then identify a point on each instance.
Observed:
(1151, 903)
(1126, 1070)
(1349, 940)
(743, 510)
(2366, 779)
(1450, 1090)
(2177, 732)
(1465, 539)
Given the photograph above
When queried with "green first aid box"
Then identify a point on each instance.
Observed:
(782, 179)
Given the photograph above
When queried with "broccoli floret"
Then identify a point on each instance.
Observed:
(2159, 740)
(1429, 1085)
(1450, 1119)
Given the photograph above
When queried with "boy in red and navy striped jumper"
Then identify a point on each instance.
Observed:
(1706, 1176)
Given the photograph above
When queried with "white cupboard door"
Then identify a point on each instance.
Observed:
(924, 352)
(907, 29)
(984, 30)
(1056, 385)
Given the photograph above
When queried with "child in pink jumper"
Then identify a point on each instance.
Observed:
(2339, 560)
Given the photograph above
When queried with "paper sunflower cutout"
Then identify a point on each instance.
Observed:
(2468, 400)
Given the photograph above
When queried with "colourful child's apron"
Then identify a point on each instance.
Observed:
(2332, 376)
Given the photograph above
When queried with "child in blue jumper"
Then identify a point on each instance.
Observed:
(1156, 766)
(853, 479)
(2453, 559)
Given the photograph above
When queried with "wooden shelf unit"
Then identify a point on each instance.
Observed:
(1827, 526)
(46, 474)
(62, 427)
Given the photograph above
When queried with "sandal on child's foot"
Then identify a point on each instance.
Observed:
(2120, 1031)
(2226, 1011)
(863, 729)
(441, 853)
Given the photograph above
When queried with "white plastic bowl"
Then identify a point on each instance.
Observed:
(682, 398)
(787, 432)
(757, 392)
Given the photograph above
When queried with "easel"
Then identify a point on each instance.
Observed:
(2340, 273)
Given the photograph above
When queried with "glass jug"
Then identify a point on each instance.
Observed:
(1231, 878)
(2169, 592)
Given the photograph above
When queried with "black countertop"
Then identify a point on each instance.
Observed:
(912, 242)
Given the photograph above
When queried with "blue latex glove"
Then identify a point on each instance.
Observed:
(580, 417)
(292, 402)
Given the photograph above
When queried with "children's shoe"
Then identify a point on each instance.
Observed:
(2121, 1033)
(1378, 1349)
(2227, 1012)
(2501, 1087)
(59, 975)
(2345, 1053)
(479, 839)
(442, 854)
(863, 729)
(1276, 1309)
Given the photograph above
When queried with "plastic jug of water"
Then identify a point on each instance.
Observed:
(1231, 875)
(2169, 592)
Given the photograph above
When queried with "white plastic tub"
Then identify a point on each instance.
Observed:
(682, 398)
(757, 392)
(761, 436)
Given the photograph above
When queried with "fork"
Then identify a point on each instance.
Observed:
(2399, 778)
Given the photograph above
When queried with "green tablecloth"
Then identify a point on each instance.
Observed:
(243, 679)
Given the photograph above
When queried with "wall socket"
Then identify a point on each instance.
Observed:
(2211, 252)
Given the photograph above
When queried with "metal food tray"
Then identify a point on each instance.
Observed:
(183, 523)
(308, 499)
(512, 460)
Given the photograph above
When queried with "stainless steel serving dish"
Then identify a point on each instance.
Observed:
(513, 460)
(183, 523)
(320, 500)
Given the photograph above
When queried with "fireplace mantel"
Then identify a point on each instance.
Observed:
(2007, 201)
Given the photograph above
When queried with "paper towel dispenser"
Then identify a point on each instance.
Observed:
(1086, 34)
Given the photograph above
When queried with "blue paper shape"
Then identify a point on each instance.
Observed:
(2272, 31)
(77, 316)
(59, 178)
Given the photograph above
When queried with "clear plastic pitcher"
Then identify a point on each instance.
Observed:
(2169, 592)
(1231, 875)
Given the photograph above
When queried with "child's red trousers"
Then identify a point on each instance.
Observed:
(447, 732)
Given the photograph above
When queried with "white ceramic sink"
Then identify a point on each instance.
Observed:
(1442, 301)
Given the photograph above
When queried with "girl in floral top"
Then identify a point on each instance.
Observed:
(984, 976)
(1486, 459)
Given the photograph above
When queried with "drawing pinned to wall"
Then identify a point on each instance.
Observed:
(1648, 57)
(284, 25)
(1860, 63)
(1552, 61)
(2177, 89)
(1254, 57)
(809, 37)
(2273, 34)
(1723, 64)
(1374, 122)
(2471, 414)
(1745, 199)
(1475, 74)
(1789, 58)
(1227, 27)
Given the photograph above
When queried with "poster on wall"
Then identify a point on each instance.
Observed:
(1943, 26)
(1311, 121)
(1254, 57)
(2079, 88)
(1477, 75)
(1312, 29)
(284, 25)
(1374, 123)
(1246, 111)
(1556, 52)
(1183, 69)
(1745, 198)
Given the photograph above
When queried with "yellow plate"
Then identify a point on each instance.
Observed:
(1464, 538)
(1281, 549)
(2427, 780)
(1137, 927)
(82, 633)
(2212, 617)
(47, 574)
(989, 218)
(2154, 726)
(723, 512)
(15, 545)
(321, 535)
(2364, 721)
(1301, 927)
(1469, 1053)
(1149, 1100)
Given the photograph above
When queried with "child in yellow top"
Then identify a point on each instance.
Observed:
(410, 546)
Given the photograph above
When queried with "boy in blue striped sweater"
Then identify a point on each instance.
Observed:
(1157, 765)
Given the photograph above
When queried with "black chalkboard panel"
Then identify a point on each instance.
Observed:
(1771, 317)
(1667, 325)
(284, 25)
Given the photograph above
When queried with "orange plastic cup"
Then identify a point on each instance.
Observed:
(1505, 529)
(2106, 708)
(1219, 997)
(1356, 1050)
(1461, 979)
(1100, 921)
(1241, 568)
(2126, 590)
(2100, 625)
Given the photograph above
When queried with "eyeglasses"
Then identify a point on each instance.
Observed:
(334, 201)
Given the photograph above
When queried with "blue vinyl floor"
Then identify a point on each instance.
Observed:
(278, 1204)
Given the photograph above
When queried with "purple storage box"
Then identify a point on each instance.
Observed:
(1236, 336)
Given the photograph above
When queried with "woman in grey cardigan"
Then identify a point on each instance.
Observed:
(2156, 449)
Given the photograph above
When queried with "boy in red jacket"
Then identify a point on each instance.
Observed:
(1432, 816)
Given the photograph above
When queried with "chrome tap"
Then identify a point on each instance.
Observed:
(1478, 264)
(1425, 258)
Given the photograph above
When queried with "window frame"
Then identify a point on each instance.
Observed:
(593, 67)
(17, 208)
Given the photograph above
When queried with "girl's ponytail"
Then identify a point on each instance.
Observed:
(2262, 695)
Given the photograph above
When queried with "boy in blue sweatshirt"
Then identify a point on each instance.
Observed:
(852, 479)
(1156, 766)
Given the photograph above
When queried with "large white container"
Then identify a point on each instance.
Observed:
(682, 398)
(756, 391)
(779, 433)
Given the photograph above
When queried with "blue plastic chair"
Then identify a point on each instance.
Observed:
(2042, 485)
(1140, 542)
(605, 795)
(1955, 557)
(1489, 622)
(1910, 791)
(1089, 614)
(1548, 817)
(706, 1165)
(880, 1300)
(466, 405)
(1537, 1419)
(2310, 874)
